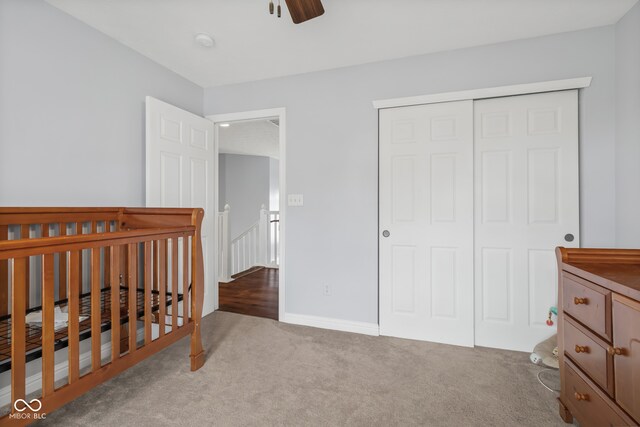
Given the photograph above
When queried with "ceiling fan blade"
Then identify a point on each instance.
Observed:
(303, 10)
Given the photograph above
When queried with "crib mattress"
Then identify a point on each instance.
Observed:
(34, 332)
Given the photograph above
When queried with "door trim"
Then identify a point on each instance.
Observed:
(490, 92)
(253, 115)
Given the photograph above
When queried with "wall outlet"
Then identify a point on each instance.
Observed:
(295, 200)
(326, 290)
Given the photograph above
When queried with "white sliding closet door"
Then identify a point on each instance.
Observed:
(526, 204)
(426, 222)
(180, 172)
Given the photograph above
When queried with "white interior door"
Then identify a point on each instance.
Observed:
(426, 207)
(526, 201)
(180, 172)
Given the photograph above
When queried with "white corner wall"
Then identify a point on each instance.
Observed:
(627, 206)
(332, 151)
(72, 110)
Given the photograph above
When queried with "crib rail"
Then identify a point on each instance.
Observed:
(137, 272)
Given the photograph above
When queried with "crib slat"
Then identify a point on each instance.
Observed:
(94, 230)
(25, 231)
(80, 266)
(24, 234)
(45, 230)
(133, 295)
(185, 280)
(62, 266)
(96, 315)
(147, 292)
(19, 270)
(74, 316)
(4, 275)
(174, 284)
(156, 263)
(48, 331)
(115, 303)
(162, 282)
(107, 262)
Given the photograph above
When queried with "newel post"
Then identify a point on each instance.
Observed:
(197, 290)
(263, 235)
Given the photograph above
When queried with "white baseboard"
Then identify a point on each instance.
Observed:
(334, 324)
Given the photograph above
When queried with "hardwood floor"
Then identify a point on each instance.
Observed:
(255, 294)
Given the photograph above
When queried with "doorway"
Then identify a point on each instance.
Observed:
(249, 153)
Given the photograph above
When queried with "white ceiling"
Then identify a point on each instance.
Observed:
(253, 45)
(254, 137)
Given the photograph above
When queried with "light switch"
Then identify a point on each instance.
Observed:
(295, 200)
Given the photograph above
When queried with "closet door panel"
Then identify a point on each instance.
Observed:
(426, 207)
(526, 202)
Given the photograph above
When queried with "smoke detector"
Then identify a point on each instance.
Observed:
(204, 40)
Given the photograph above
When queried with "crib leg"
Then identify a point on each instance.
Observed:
(197, 294)
(197, 353)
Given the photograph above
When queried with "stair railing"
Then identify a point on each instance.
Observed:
(257, 246)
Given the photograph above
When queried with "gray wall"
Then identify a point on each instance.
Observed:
(332, 151)
(244, 185)
(628, 129)
(72, 110)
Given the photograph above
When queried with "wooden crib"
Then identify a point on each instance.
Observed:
(128, 281)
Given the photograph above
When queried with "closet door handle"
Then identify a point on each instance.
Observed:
(386, 233)
(568, 237)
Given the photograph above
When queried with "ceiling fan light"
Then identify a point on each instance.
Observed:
(271, 7)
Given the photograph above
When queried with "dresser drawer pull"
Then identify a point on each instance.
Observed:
(615, 351)
(581, 396)
(582, 349)
(578, 301)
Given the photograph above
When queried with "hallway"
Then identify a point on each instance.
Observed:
(255, 294)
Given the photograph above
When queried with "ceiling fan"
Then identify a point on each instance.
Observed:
(300, 10)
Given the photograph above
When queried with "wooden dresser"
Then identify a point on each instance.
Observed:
(599, 336)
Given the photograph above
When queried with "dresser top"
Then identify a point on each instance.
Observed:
(620, 278)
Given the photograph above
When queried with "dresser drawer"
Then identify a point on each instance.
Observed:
(588, 303)
(587, 403)
(589, 353)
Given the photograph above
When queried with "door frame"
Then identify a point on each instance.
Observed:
(280, 113)
(489, 92)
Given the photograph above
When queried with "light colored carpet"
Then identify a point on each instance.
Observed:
(260, 372)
